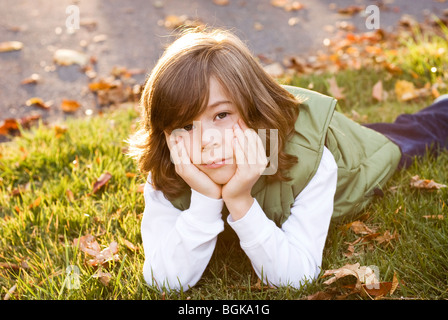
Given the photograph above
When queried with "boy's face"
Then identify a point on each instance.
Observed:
(209, 138)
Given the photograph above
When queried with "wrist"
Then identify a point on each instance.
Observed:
(239, 206)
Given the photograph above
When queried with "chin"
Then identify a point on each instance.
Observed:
(222, 175)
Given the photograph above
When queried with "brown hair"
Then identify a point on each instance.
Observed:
(177, 91)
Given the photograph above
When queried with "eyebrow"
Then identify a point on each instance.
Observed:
(217, 103)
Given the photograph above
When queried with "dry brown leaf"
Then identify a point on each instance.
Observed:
(367, 282)
(130, 245)
(418, 183)
(386, 238)
(7, 46)
(405, 90)
(287, 5)
(33, 79)
(102, 180)
(320, 295)
(59, 130)
(221, 2)
(106, 255)
(335, 90)
(69, 105)
(351, 10)
(37, 102)
(377, 91)
(66, 57)
(359, 227)
(90, 246)
(10, 292)
(435, 216)
(104, 277)
(8, 126)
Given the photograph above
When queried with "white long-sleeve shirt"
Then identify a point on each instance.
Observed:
(178, 244)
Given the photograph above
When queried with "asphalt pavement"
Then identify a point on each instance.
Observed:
(133, 34)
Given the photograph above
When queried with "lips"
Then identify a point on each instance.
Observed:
(215, 164)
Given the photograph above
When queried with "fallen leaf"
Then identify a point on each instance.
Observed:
(69, 105)
(405, 90)
(351, 10)
(130, 245)
(7, 46)
(394, 283)
(221, 2)
(8, 126)
(10, 292)
(359, 227)
(106, 255)
(418, 183)
(101, 85)
(37, 102)
(258, 26)
(8, 265)
(377, 91)
(90, 246)
(33, 79)
(59, 130)
(66, 57)
(437, 216)
(320, 295)
(287, 5)
(335, 90)
(104, 277)
(35, 203)
(386, 238)
(101, 181)
(87, 244)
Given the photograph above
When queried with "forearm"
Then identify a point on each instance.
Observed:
(292, 253)
(278, 258)
(178, 248)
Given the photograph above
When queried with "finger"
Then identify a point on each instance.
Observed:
(253, 146)
(239, 153)
(241, 139)
(183, 154)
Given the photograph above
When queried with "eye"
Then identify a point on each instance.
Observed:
(222, 115)
(189, 127)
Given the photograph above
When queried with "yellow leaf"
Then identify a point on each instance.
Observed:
(69, 105)
(10, 46)
(405, 90)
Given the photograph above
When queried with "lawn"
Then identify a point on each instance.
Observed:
(47, 200)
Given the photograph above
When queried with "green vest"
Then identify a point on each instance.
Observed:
(366, 159)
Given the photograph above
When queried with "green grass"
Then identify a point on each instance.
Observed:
(39, 239)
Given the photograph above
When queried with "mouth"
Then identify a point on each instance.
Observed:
(215, 164)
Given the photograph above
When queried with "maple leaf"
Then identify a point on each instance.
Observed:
(367, 282)
(90, 246)
(418, 183)
(102, 180)
(335, 90)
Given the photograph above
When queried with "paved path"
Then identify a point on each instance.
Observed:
(132, 34)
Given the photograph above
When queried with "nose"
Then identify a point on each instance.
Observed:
(211, 137)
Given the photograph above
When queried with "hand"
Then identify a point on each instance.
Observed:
(194, 177)
(251, 161)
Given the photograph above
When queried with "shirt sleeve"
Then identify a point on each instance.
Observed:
(293, 253)
(178, 244)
